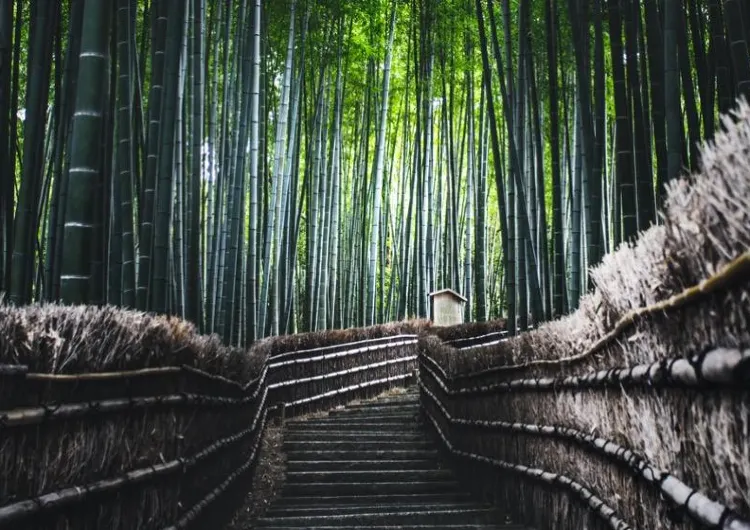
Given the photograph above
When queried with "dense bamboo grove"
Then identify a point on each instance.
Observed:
(267, 166)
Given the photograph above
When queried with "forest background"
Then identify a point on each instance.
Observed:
(262, 167)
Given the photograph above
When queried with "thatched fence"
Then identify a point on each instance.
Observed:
(120, 420)
(634, 411)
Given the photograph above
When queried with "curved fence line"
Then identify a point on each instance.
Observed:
(344, 390)
(697, 505)
(595, 503)
(345, 353)
(722, 367)
(736, 271)
(387, 339)
(383, 361)
(330, 375)
(56, 500)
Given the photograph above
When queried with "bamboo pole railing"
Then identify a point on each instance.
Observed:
(733, 273)
(373, 363)
(694, 503)
(719, 368)
(595, 503)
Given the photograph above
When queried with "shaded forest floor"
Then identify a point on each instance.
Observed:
(267, 480)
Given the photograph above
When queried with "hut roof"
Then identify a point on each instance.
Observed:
(448, 291)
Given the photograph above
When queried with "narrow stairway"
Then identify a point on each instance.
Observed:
(372, 465)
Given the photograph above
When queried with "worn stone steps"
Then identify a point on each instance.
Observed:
(317, 436)
(490, 526)
(361, 465)
(344, 509)
(382, 499)
(371, 465)
(394, 516)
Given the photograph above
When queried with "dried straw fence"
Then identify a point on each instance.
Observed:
(166, 446)
(634, 411)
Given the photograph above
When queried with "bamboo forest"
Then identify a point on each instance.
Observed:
(263, 167)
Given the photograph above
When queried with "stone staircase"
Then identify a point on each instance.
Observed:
(372, 465)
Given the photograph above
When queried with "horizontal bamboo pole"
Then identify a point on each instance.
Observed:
(346, 353)
(103, 376)
(498, 334)
(133, 374)
(348, 371)
(36, 415)
(387, 339)
(19, 511)
(347, 389)
(216, 377)
(718, 368)
(733, 273)
(697, 505)
(595, 503)
(482, 345)
(13, 369)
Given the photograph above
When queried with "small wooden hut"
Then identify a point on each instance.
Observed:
(447, 307)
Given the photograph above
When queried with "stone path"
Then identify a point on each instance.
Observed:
(372, 465)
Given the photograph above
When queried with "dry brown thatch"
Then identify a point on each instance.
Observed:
(52, 338)
(700, 436)
(272, 346)
(139, 391)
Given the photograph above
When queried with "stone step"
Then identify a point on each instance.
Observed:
(374, 476)
(358, 445)
(411, 425)
(383, 499)
(346, 420)
(354, 465)
(403, 518)
(488, 526)
(325, 435)
(401, 399)
(362, 454)
(459, 526)
(369, 488)
(379, 417)
(371, 465)
(375, 409)
(343, 509)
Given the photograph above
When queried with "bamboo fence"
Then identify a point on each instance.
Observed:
(602, 439)
(169, 446)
